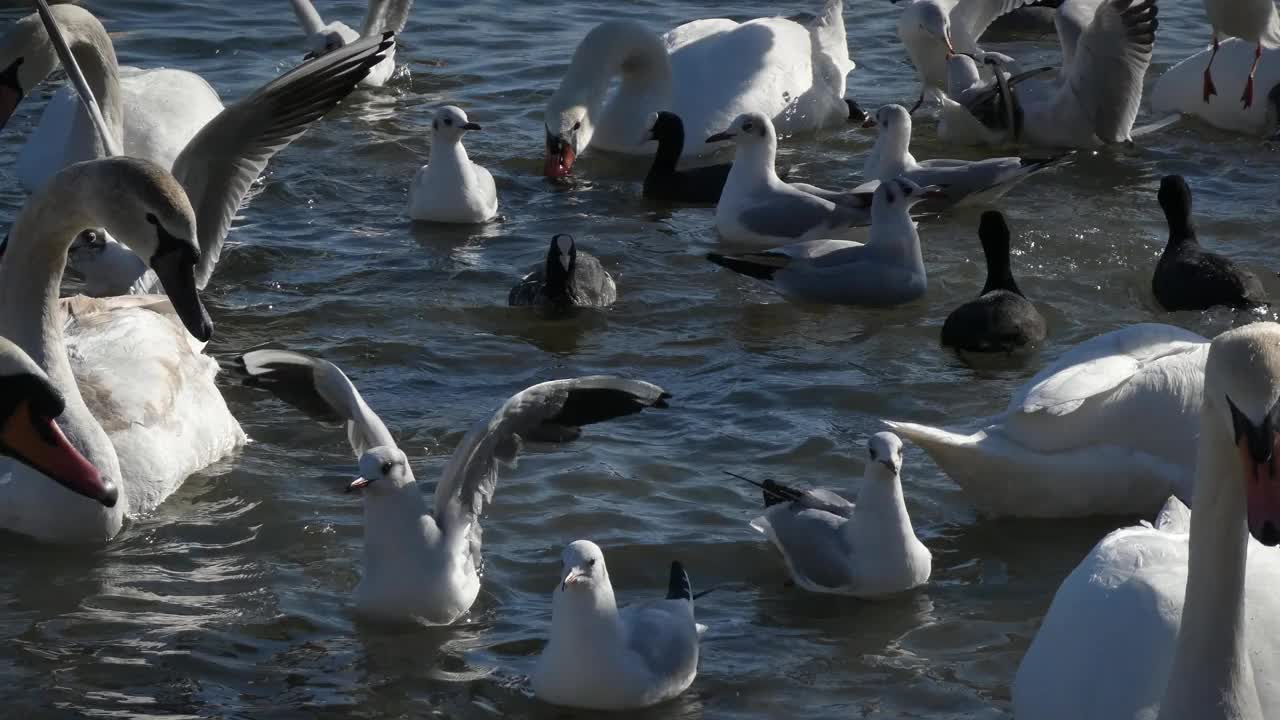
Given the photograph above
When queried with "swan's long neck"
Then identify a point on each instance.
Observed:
(635, 56)
(94, 53)
(1211, 676)
(31, 315)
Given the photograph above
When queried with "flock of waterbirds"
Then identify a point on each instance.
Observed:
(110, 396)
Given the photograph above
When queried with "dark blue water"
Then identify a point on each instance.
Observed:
(232, 599)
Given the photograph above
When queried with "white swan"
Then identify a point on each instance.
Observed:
(450, 188)
(1181, 621)
(220, 161)
(1097, 98)
(141, 403)
(382, 16)
(603, 658)
(155, 112)
(1107, 429)
(29, 432)
(421, 563)
(708, 72)
(831, 545)
(1179, 89)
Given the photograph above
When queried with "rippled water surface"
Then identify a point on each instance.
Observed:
(232, 599)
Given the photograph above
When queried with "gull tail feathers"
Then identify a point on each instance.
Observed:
(761, 266)
(679, 587)
(774, 492)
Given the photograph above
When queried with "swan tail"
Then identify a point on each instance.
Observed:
(1005, 478)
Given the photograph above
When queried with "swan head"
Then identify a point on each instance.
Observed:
(382, 470)
(29, 403)
(884, 450)
(27, 55)
(569, 130)
(450, 123)
(747, 129)
(334, 36)
(143, 206)
(1242, 396)
(582, 567)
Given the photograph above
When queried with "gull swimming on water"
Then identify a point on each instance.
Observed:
(887, 270)
(758, 207)
(450, 188)
(422, 561)
(601, 657)
(863, 549)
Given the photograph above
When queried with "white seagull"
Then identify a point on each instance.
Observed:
(830, 545)
(450, 188)
(421, 562)
(887, 270)
(603, 658)
(757, 207)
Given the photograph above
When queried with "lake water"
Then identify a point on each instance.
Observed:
(232, 600)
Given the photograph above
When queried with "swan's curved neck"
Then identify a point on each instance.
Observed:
(638, 59)
(30, 313)
(94, 53)
(1211, 676)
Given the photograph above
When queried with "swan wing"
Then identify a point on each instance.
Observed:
(228, 154)
(1101, 364)
(320, 389)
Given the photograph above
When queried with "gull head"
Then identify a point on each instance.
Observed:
(582, 567)
(382, 470)
(747, 129)
(450, 124)
(901, 193)
(885, 454)
(1242, 404)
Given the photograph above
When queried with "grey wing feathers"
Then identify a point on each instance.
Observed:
(813, 543)
(551, 410)
(309, 382)
(977, 15)
(386, 16)
(220, 163)
(795, 215)
(827, 501)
